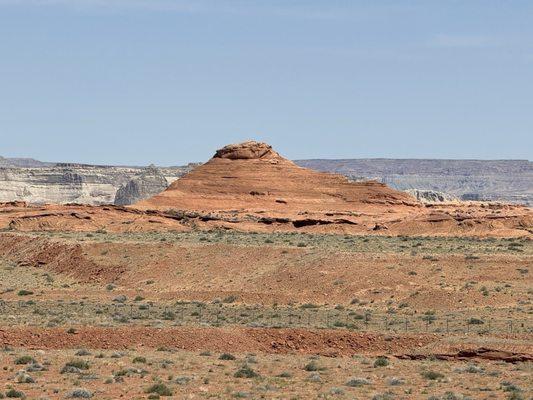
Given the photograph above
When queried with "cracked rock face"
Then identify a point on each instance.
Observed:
(246, 151)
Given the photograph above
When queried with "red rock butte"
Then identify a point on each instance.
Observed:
(252, 177)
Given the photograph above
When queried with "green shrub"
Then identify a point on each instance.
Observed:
(356, 382)
(230, 299)
(160, 388)
(312, 366)
(245, 372)
(381, 362)
(169, 316)
(226, 356)
(80, 364)
(25, 360)
(15, 394)
(432, 375)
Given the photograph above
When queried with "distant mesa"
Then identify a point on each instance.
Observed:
(252, 176)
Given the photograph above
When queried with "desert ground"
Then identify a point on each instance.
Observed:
(320, 288)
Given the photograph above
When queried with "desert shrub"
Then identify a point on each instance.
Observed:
(314, 377)
(312, 366)
(336, 391)
(160, 388)
(451, 396)
(245, 372)
(121, 372)
(35, 367)
(15, 394)
(309, 305)
(356, 382)
(182, 380)
(284, 374)
(429, 316)
(24, 378)
(82, 352)
(383, 396)
(74, 366)
(226, 356)
(230, 299)
(475, 321)
(473, 369)
(381, 362)
(139, 360)
(120, 299)
(169, 316)
(510, 387)
(393, 381)
(25, 360)
(432, 375)
(80, 394)
(24, 292)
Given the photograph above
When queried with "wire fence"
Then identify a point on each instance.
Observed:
(63, 313)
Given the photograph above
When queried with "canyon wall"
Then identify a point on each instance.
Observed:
(84, 184)
(491, 180)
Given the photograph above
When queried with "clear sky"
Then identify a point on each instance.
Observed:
(169, 81)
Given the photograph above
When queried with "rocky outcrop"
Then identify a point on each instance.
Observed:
(430, 196)
(251, 176)
(149, 183)
(246, 151)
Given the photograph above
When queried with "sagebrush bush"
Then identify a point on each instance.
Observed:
(25, 360)
(381, 362)
(245, 372)
(160, 388)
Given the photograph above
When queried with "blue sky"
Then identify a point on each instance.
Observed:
(169, 81)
